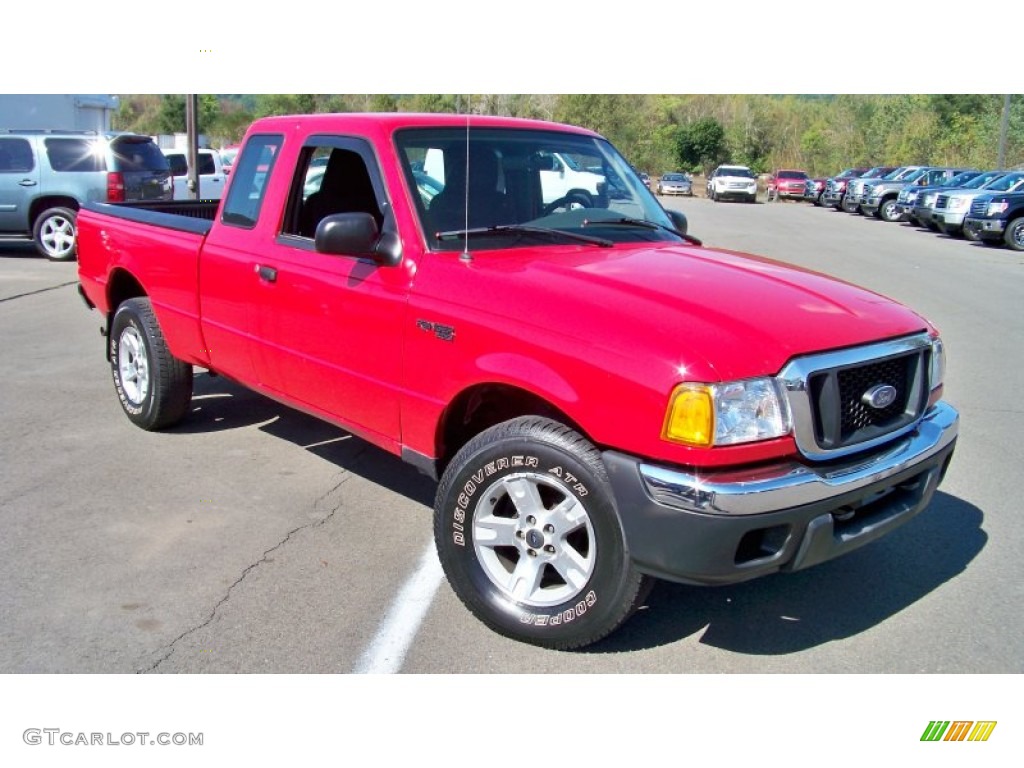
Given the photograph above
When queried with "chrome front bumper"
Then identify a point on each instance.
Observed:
(791, 484)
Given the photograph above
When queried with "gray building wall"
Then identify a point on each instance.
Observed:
(69, 112)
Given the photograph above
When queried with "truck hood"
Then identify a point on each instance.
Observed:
(721, 315)
(889, 186)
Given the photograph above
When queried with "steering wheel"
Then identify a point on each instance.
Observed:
(569, 202)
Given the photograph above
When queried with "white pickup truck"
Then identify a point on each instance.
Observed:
(211, 174)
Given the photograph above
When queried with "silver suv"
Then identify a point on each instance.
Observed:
(45, 176)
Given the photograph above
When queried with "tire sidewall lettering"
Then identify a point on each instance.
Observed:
(465, 491)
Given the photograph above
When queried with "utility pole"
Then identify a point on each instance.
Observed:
(1001, 163)
(192, 137)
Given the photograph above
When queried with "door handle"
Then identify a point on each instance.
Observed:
(266, 273)
(27, 183)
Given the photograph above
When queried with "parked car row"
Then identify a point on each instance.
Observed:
(985, 206)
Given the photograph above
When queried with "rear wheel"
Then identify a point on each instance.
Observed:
(154, 387)
(527, 532)
(54, 234)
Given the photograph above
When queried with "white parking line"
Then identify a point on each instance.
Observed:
(398, 629)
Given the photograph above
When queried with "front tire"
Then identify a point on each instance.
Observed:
(154, 387)
(1014, 234)
(887, 211)
(55, 233)
(528, 535)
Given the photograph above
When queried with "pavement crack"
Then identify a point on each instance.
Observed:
(41, 290)
(344, 476)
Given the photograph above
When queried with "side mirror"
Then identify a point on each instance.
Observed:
(357, 234)
(678, 219)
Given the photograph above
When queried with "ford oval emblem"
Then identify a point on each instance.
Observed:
(880, 396)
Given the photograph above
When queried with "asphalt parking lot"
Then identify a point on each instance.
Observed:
(253, 538)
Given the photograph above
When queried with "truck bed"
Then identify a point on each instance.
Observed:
(185, 215)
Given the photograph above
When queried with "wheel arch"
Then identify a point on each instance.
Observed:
(41, 204)
(121, 286)
(485, 404)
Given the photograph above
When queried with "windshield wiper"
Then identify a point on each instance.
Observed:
(520, 229)
(629, 222)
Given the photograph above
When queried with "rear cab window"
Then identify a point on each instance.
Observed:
(248, 180)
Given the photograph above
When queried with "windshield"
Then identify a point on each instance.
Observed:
(533, 180)
(792, 175)
(984, 180)
(734, 171)
(1007, 183)
(913, 175)
(959, 180)
(877, 172)
(673, 177)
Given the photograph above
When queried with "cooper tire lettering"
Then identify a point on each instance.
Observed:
(529, 537)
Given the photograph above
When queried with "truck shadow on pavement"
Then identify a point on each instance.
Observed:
(219, 404)
(787, 613)
(774, 615)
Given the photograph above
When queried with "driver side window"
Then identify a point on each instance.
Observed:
(333, 180)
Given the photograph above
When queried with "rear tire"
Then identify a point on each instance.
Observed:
(55, 234)
(528, 535)
(154, 387)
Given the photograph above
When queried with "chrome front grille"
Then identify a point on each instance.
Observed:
(829, 395)
(979, 207)
(941, 201)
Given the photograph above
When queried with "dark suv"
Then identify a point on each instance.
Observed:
(45, 176)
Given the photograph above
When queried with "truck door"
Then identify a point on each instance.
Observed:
(227, 278)
(19, 183)
(327, 329)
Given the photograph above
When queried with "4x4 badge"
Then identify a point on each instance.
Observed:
(880, 396)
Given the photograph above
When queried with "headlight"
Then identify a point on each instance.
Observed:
(994, 209)
(958, 203)
(929, 200)
(911, 196)
(937, 369)
(706, 415)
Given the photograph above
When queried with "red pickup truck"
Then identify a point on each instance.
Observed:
(604, 400)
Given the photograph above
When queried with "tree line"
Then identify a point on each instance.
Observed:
(658, 133)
